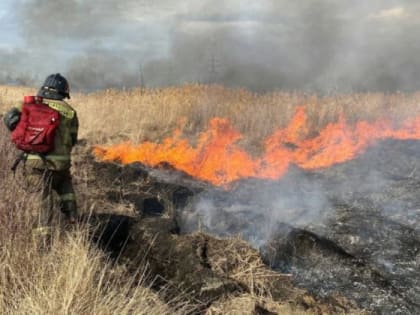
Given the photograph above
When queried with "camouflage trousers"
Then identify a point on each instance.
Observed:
(47, 182)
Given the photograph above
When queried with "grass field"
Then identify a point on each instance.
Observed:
(152, 114)
(73, 278)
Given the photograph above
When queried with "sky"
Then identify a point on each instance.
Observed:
(9, 29)
(318, 45)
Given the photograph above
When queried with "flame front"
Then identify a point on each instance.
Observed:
(218, 158)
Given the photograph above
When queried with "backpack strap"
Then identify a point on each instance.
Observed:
(20, 158)
(23, 156)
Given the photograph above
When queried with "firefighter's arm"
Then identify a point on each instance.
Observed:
(74, 129)
(12, 117)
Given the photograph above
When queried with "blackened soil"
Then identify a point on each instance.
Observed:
(351, 230)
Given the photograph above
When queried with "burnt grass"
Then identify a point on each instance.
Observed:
(349, 231)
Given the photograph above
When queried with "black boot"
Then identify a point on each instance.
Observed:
(69, 209)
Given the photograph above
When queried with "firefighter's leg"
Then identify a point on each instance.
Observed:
(47, 203)
(39, 181)
(64, 188)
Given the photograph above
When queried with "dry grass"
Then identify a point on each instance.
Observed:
(247, 304)
(151, 114)
(139, 115)
(237, 260)
(70, 278)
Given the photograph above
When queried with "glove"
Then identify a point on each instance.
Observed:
(11, 118)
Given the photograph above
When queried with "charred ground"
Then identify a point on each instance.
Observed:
(348, 231)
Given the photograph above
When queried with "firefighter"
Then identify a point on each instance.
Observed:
(52, 171)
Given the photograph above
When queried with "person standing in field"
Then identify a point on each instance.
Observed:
(48, 169)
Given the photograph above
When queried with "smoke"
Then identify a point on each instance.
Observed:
(320, 45)
(257, 209)
(377, 183)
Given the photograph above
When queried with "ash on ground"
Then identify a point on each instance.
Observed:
(350, 230)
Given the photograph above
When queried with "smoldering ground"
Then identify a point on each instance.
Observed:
(255, 208)
(320, 45)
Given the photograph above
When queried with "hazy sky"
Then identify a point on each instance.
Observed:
(309, 44)
(9, 30)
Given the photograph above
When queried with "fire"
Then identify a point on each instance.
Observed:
(218, 158)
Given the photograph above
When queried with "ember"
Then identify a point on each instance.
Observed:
(217, 157)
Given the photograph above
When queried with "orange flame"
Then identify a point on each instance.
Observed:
(218, 159)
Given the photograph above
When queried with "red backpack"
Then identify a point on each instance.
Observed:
(37, 126)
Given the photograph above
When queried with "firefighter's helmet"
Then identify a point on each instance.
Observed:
(55, 87)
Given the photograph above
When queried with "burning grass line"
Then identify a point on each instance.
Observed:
(217, 158)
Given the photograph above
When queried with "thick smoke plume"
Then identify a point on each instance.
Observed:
(320, 45)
